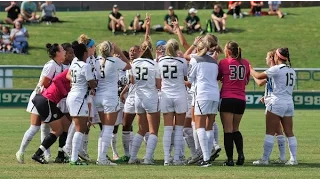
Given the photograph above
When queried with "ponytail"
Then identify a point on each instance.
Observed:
(172, 47)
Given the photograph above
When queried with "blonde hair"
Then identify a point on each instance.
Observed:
(104, 49)
(83, 39)
(213, 45)
(146, 49)
(172, 48)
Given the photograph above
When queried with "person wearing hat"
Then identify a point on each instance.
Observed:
(168, 19)
(116, 21)
(160, 49)
(137, 25)
(192, 22)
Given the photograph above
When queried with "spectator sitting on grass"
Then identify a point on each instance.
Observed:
(256, 7)
(137, 25)
(168, 19)
(274, 8)
(5, 40)
(28, 11)
(48, 12)
(116, 21)
(219, 18)
(235, 9)
(13, 13)
(19, 35)
(192, 22)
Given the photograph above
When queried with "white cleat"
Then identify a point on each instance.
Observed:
(67, 152)
(261, 162)
(166, 164)
(198, 156)
(291, 163)
(84, 156)
(105, 163)
(134, 161)
(20, 157)
(47, 157)
(279, 161)
(179, 163)
(148, 162)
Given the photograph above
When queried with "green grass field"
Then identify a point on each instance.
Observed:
(256, 35)
(14, 122)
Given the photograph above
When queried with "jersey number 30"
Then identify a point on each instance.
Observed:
(141, 73)
(237, 72)
(73, 75)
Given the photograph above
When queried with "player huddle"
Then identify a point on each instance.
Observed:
(84, 85)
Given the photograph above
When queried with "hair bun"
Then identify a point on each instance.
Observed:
(48, 45)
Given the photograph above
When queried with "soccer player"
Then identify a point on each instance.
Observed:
(204, 75)
(280, 106)
(51, 69)
(46, 104)
(266, 99)
(234, 75)
(107, 100)
(173, 71)
(81, 77)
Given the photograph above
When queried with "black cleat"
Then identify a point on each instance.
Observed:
(205, 164)
(240, 161)
(228, 163)
(215, 154)
(39, 159)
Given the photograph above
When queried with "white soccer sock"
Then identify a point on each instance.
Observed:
(136, 144)
(76, 144)
(172, 141)
(195, 136)
(28, 135)
(151, 146)
(268, 146)
(292, 142)
(178, 141)
(282, 146)
(203, 140)
(167, 133)
(106, 137)
(99, 144)
(216, 133)
(183, 147)
(71, 131)
(188, 134)
(131, 140)
(146, 137)
(126, 142)
(210, 135)
(45, 130)
(114, 144)
(85, 142)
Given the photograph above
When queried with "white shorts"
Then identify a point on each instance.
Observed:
(206, 107)
(178, 105)
(107, 104)
(149, 105)
(193, 99)
(62, 105)
(129, 105)
(77, 106)
(281, 109)
(189, 101)
(120, 117)
(31, 108)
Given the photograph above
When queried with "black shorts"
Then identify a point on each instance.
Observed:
(232, 105)
(47, 110)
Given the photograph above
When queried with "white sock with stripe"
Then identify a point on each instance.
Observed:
(167, 133)
(151, 146)
(71, 131)
(114, 144)
(178, 141)
(27, 137)
(210, 135)
(136, 144)
(282, 146)
(267, 147)
(76, 144)
(195, 136)
(126, 142)
(292, 142)
(188, 134)
(106, 137)
(203, 140)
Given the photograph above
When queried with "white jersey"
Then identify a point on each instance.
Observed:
(81, 73)
(204, 74)
(94, 69)
(282, 83)
(109, 76)
(145, 72)
(172, 71)
(50, 70)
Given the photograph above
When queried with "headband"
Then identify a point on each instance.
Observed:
(279, 55)
(90, 43)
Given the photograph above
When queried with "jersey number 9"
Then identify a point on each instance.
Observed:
(172, 70)
(73, 75)
(142, 73)
(237, 72)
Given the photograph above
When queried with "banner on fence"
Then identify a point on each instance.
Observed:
(302, 100)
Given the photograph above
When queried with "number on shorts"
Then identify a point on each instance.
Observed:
(74, 76)
(289, 79)
(142, 73)
(173, 72)
(237, 72)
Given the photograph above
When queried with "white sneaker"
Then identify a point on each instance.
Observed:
(179, 163)
(291, 162)
(105, 163)
(166, 164)
(148, 162)
(134, 161)
(261, 162)
(20, 157)
(67, 152)
(84, 156)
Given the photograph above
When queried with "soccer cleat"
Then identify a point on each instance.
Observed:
(291, 163)
(215, 153)
(47, 157)
(148, 162)
(39, 158)
(240, 160)
(105, 163)
(198, 156)
(84, 156)
(134, 161)
(279, 161)
(123, 159)
(115, 157)
(20, 157)
(179, 163)
(228, 163)
(170, 159)
(261, 162)
(67, 152)
(108, 157)
(61, 160)
(205, 164)
(78, 163)
(166, 164)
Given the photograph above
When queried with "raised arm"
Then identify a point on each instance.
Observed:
(191, 48)
(147, 24)
(182, 39)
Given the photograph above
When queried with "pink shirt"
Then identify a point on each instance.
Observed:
(234, 76)
(59, 88)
